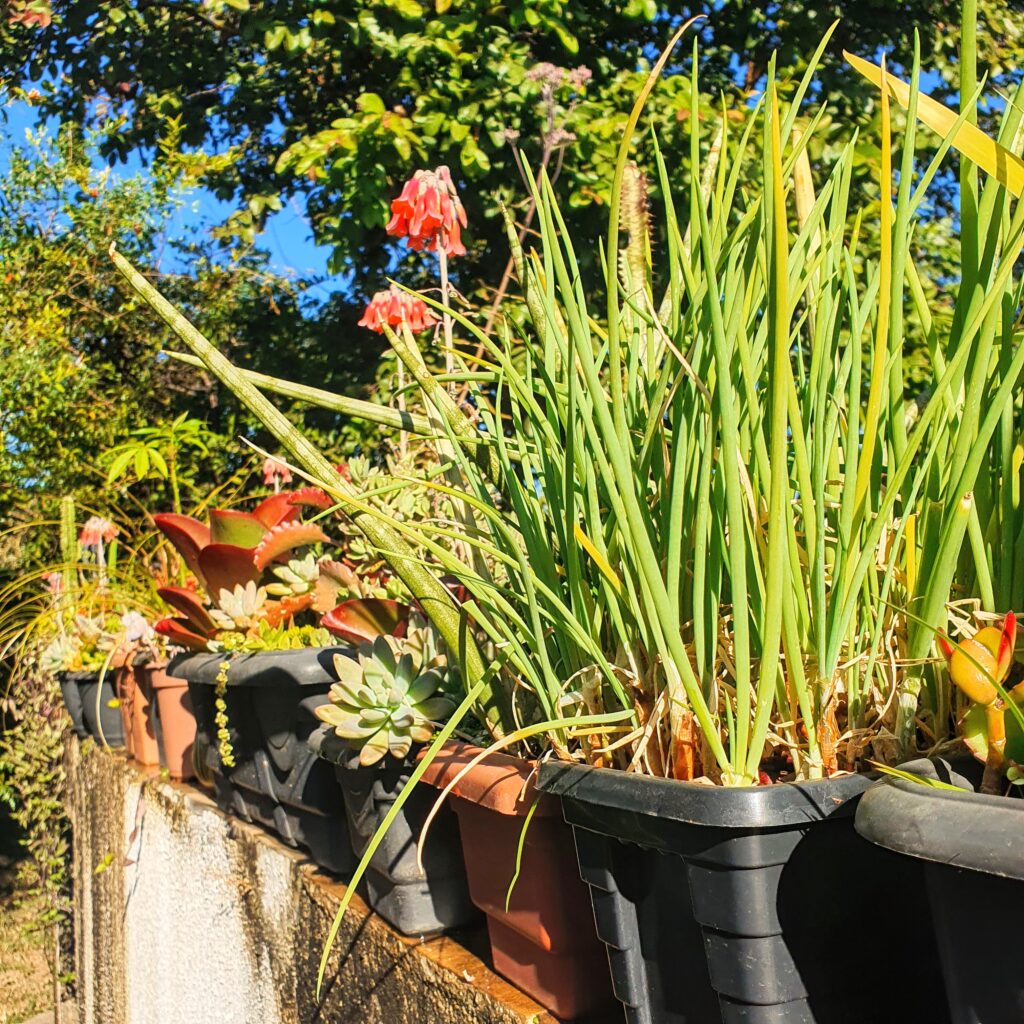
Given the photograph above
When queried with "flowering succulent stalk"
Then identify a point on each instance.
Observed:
(96, 533)
(275, 473)
(430, 215)
(393, 307)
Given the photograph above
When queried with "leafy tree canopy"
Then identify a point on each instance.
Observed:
(80, 369)
(337, 101)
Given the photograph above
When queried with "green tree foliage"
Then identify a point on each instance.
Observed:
(336, 101)
(80, 369)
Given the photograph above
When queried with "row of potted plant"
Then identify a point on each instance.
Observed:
(314, 694)
(676, 570)
(87, 621)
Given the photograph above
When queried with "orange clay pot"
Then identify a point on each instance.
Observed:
(177, 722)
(134, 695)
(546, 942)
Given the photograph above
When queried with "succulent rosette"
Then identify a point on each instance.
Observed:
(387, 698)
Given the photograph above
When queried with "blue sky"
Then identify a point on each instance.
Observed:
(287, 239)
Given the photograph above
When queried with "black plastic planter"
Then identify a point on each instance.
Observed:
(71, 692)
(759, 905)
(413, 901)
(276, 781)
(970, 849)
(93, 706)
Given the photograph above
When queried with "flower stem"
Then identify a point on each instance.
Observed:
(446, 320)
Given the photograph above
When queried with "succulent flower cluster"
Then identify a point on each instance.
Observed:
(395, 307)
(275, 473)
(429, 213)
(388, 696)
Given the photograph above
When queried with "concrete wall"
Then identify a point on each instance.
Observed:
(183, 915)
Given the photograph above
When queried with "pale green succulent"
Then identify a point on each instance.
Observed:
(361, 470)
(386, 699)
(58, 655)
(240, 608)
(298, 577)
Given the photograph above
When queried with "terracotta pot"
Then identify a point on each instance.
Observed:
(177, 722)
(124, 690)
(138, 713)
(546, 942)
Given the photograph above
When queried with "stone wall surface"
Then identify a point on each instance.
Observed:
(184, 915)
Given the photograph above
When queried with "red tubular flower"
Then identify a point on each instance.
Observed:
(275, 471)
(429, 213)
(393, 306)
(96, 531)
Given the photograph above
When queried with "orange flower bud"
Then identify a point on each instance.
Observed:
(978, 663)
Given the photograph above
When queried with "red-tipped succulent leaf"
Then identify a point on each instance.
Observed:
(188, 603)
(229, 526)
(366, 618)
(284, 538)
(335, 579)
(313, 497)
(181, 633)
(282, 611)
(188, 535)
(226, 566)
(278, 508)
(978, 663)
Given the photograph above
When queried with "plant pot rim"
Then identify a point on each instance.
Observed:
(145, 659)
(79, 676)
(160, 679)
(973, 831)
(783, 805)
(308, 666)
(328, 746)
(501, 782)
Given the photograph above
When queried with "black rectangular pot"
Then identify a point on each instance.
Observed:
(276, 781)
(413, 901)
(70, 691)
(92, 705)
(970, 849)
(758, 905)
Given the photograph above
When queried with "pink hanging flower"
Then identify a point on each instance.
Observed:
(275, 471)
(429, 213)
(97, 531)
(393, 306)
(54, 582)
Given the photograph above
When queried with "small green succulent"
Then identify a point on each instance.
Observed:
(265, 637)
(241, 608)
(296, 578)
(386, 699)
